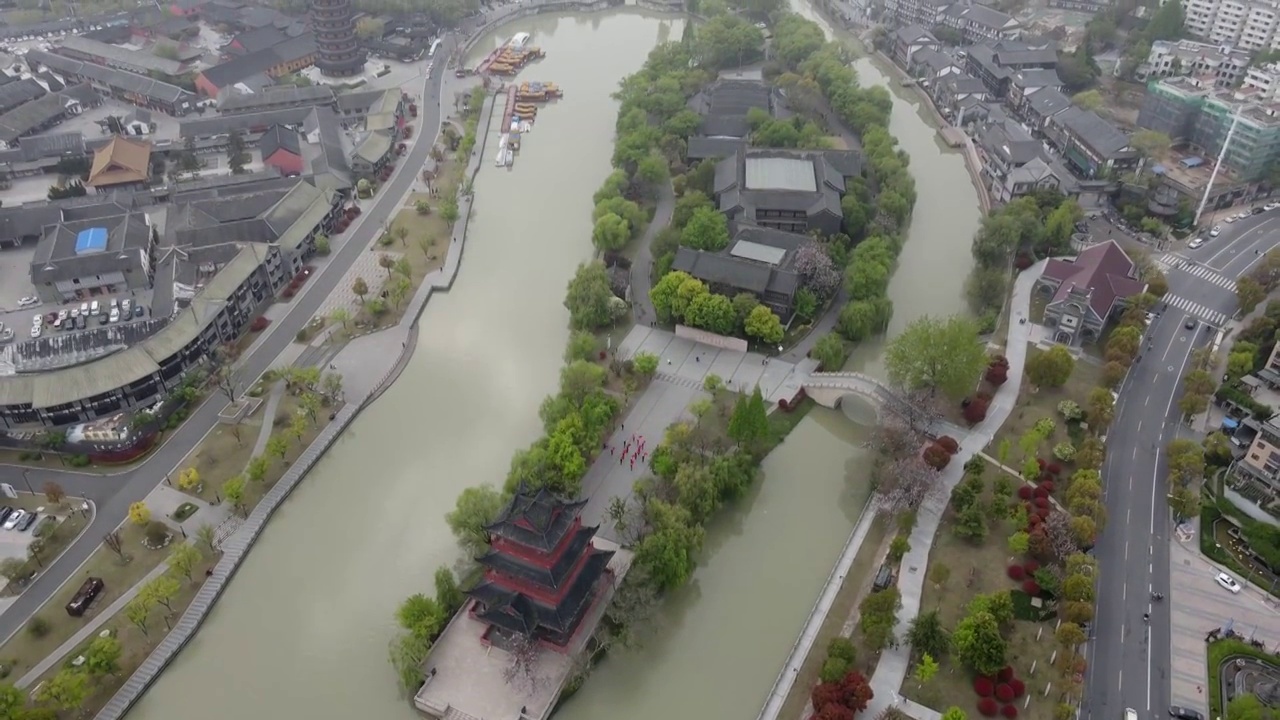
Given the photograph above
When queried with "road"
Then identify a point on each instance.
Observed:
(1129, 660)
(114, 493)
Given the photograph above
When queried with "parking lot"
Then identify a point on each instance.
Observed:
(1198, 605)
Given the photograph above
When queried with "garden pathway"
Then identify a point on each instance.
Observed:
(642, 265)
(90, 628)
(268, 419)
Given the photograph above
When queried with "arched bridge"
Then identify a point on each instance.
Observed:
(828, 388)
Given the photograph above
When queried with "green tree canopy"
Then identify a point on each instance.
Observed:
(937, 354)
(589, 297)
(706, 230)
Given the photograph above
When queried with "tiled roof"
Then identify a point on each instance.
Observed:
(1089, 128)
(121, 161)
(1103, 270)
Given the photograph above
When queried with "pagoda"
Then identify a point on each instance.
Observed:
(338, 52)
(542, 572)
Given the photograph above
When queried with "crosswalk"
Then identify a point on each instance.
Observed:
(1213, 317)
(1174, 261)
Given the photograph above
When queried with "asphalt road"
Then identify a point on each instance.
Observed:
(114, 493)
(1129, 661)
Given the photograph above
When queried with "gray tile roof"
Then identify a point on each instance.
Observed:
(1036, 78)
(830, 169)
(932, 59)
(988, 17)
(704, 148)
(245, 66)
(251, 41)
(1103, 137)
(15, 94)
(55, 259)
(960, 84)
(913, 34)
(73, 45)
(231, 101)
(1048, 101)
(51, 145)
(31, 116)
(117, 79)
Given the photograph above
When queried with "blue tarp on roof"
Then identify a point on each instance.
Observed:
(1230, 424)
(1191, 162)
(91, 241)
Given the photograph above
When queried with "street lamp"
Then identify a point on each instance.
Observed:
(27, 479)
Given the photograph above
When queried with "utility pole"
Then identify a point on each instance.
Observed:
(1217, 165)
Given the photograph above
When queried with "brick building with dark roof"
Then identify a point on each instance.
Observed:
(1088, 291)
(281, 150)
(76, 260)
(276, 61)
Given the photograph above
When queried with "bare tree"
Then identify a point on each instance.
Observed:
(904, 484)
(1062, 538)
(914, 410)
(632, 608)
(522, 671)
(225, 378)
(114, 544)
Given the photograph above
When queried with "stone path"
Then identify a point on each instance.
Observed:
(366, 267)
(642, 266)
(89, 629)
(268, 419)
(164, 500)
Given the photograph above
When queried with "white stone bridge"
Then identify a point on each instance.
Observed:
(829, 388)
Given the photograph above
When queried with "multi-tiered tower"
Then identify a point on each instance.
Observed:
(339, 53)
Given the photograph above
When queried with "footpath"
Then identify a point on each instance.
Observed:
(894, 662)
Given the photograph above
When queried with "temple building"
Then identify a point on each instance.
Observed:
(542, 573)
(339, 52)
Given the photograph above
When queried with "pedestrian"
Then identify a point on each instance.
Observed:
(620, 459)
(633, 464)
(610, 451)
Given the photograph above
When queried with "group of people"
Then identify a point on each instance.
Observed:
(633, 449)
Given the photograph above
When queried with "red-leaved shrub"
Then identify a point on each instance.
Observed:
(1043, 511)
(1031, 566)
(1034, 519)
(1025, 492)
(999, 361)
(1041, 463)
(1022, 262)
(997, 375)
(1016, 572)
(936, 457)
(1009, 711)
(1048, 487)
(1055, 468)
(824, 694)
(1041, 501)
(259, 324)
(831, 711)
(1005, 674)
(984, 396)
(976, 411)
(1004, 693)
(1031, 587)
(1018, 686)
(948, 443)
(983, 686)
(1041, 494)
(988, 707)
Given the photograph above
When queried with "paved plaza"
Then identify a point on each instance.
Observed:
(1197, 604)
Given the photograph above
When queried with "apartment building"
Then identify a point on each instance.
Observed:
(1246, 24)
(1263, 82)
(1225, 64)
(976, 23)
(926, 13)
(1200, 116)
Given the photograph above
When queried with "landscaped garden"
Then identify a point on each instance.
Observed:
(61, 520)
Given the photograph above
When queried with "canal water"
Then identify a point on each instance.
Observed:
(303, 629)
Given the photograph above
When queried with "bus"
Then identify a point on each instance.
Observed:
(435, 45)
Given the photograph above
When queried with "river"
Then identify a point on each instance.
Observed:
(303, 629)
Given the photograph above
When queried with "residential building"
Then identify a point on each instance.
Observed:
(255, 40)
(232, 101)
(1187, 57)
(996, 63)
(274, 62)
(1264, 81)
(45, 112)
(790, 190)
(1246, 24)
(1037, 107)
(979, 23)
(18, 93)
(120, 84)
(908, 40)
(1091, 7)
(40, 154)
(1089, 145)
(925, 13)
(123, 164)
(759, 261)
(1024, 83)
(1088, 291)
(335, 29)
(132, 60)
(1199, 116)
(88, 258)
(956, 92)
(929, 65)
(724, 107)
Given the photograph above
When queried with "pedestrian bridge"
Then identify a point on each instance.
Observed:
(829, 388)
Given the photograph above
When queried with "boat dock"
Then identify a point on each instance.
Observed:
(510, 57)
(518, 115)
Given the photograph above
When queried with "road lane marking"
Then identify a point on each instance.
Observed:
(1196, 310)
(1231, 244)
(1173, 261)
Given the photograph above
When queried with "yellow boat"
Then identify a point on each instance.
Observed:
(526, 109)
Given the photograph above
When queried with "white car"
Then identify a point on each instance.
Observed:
(1230, 220)
(114, 316)
(14, 519)
(37, 321)
(1195, 243)
(28, 301)
(35, 331)
(62, 314)
(1271, 206)
(1216, 231)
(1223, 579)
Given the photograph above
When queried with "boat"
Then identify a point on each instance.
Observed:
(519, 40)
(504, 152)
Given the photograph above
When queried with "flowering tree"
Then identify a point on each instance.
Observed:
(817, 271)
(1062, 538)
(522, 671)
(904, 484)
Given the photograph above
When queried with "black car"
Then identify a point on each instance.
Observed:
(1184, 713)
(5, 512)
(25, 522)
(1190, 324)
(1255, 211)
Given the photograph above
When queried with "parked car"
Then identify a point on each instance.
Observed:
(1184, 713)
(126, 307)
(85, 596)
(28, 301)
(5, 512)
(62, 314)
(81, 322)
(84, 308)
(12, 521)
(1223, 579)
(103, 319)
(138, 310)
(95, 307)
(1216, 231)
(115, 315)
(35, 331)
(26, 522)
(1257, 211)
(1271, 206)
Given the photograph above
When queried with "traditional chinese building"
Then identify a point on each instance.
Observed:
(542, 573)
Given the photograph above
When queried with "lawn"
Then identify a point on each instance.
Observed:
(1220, 651)
(277, 467)
(136, 643)
(220, 455)
(857, 582)
(1036, 403)
(25, 648)
(979, 569)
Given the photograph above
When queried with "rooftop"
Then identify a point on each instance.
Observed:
(780, 173)
(118, 79)
(245, 66)
(1104, 270)
(123, 160)
(1105, 139)
(124, 56)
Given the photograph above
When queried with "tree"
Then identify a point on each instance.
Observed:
(1100, 408)
(236, 155)
(1088, 100)
(360, 288)
(278, 445)
(763, 324)
(189, 479)
(927, 636)
(448, 594)
(65, 691)
(1249, 293)
(477, 507)
(816, 269)
(706, 230)
(256, 470)
(138, 611)
(1050, 368)
(53, 492)
(162, 589)
(937, 354)
(340, 316)
(139, 514)
(830, 352)
(208, 535)
(113, 542)
(748, 424)
(954, 713)
(926, 669)
(611, 232)
(978, 644)
(1070, 636)
(1184, 502)
(589, 297)
(645, 363)
(183, 559)
(233, 491)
